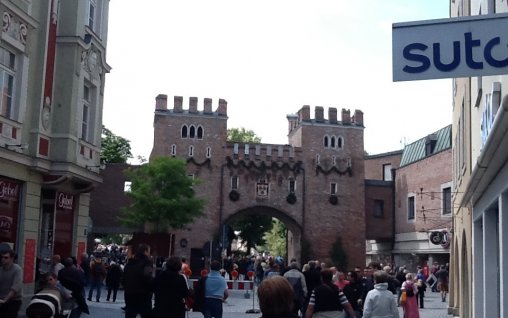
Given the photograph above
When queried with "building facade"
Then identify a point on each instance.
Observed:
(480, 186)
(52, 75)
(314, 184)
(408, 203)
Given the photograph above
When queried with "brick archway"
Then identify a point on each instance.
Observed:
(294, 229)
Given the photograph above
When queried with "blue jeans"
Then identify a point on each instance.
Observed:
(212, 308)
(97, 284)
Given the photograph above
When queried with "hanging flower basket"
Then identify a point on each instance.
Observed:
(291, 198)
(234, 195)
(333, 200)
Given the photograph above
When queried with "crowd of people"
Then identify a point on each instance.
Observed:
(285, 291)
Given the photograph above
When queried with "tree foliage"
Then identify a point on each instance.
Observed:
(276, 239)
(338, 255)
(242, 135)
(115, 149)
(252, 228)
(162, 195)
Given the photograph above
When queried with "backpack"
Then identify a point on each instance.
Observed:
(409, 290)
(296, 283)
(98, 269)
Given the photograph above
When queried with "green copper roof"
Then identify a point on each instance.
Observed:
(416, 151)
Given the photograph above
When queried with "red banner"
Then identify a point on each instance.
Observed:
(29, 263)
(81, 250)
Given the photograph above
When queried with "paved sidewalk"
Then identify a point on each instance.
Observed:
(237, 305)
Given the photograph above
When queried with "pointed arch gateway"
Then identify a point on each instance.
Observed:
(294, 236)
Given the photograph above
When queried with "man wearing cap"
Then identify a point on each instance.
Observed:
(10, 285)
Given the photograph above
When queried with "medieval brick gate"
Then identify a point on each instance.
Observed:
(314, 184)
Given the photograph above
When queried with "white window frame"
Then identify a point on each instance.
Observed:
(127, 186)
(89, 119)
(8, 77)
(411, 196)
(444, 186)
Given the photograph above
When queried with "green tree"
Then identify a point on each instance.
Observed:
(242, 135)
(276, 239)
(114, 149)
(252, 228)
(338, 255)
(162, 195)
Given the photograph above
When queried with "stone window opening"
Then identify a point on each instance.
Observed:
(332, 142)
(200, 132)
(192, 132)
(339, 142)
(173, 150)
(334, 161)
(325, 142)
(191, 151)
(292, 186)
(184, 131)
(208, 152)
(333, 188)
(317, 159)
(7, 80)
(379, 208)
(411, 208)
(234, 183)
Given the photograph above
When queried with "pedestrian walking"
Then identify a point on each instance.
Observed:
(138, 284)
(170, 289)
(327, 300)
(297, 281)
(113, 279)
(74, 280)
(10, 285)
(216, 292)
(379, 302)
(353, 292)
(97, 276)
(276, 298)
(408, 298)
(442, 282)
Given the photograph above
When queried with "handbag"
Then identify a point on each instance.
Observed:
(403, 298)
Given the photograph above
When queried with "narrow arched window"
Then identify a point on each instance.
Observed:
(191, 151)
(325, 142)
(339, 143)
(173, 150)
(184, 131)
(192, 132)
(332, 142)
(208, 152)
(200, 132)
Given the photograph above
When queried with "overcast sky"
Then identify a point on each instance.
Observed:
(268, 59)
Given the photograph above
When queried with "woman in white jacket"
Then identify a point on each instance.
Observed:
(380, 302)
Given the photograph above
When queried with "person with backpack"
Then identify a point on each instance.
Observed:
(327, 300)
(97, 276)
(408, 298)
(138, 284)
(297, 281)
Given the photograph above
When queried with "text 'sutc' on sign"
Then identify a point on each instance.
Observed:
(448, 48)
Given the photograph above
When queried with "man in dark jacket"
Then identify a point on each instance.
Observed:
(74, 280)
(138, 284)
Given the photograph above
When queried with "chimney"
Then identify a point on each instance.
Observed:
(358, 117)
(193, 105)
(304, 113)
(208, 106)
(222, 110)
(346, 117)
(319, 114)
(178, 104)
(332, 115)
(161, 102)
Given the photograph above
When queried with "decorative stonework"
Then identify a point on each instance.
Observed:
(14, 27)
(91, 62)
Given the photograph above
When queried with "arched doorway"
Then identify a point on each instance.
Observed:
(294, 230)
